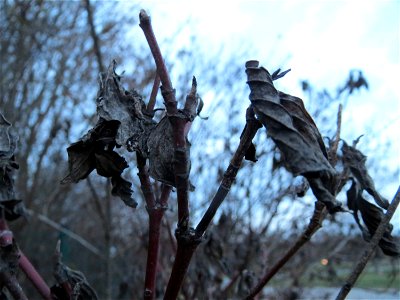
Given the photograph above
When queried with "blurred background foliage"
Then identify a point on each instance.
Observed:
(50, 62)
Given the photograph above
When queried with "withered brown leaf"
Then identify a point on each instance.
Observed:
(371, 216)
(13, 207)
(294, 132)
(355, 161)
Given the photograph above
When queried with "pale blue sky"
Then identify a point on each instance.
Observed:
(320, 40)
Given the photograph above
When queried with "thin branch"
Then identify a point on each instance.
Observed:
(153, 95)
(180, 122)
(95, 37)
(170, 235)
(156, 211)
(335, 143)
(145, 24)
(249, 132)
(319, 214)
(12, 285)
(362, 262)
(97, 203)
(145, 184)
(188, 243)
(69, 233)
(11, 282)
(33, 275)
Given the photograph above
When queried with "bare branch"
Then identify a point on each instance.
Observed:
(69, 233)
(320, 213)
(95, 37)
(362, 262)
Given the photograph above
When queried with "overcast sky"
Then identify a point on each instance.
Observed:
(320, 41)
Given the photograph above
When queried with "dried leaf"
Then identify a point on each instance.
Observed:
(371, 216)
(122, 188)
(13, 207)
(114, 103)
(161, 152)
(251, 151)
(355, 161)
(294, 132)
(95, 151)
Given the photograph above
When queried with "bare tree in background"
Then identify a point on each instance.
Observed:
(56, 51)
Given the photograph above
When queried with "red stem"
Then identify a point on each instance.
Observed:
(183, 257)
(155, 217)
(178, 123)
(29, 271)
(153, 95)
(34, 276)
(155, 210)
(145, 24)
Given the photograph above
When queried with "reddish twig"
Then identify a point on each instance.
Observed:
(188, 239)
(362, 262)
(188, 243)
(155, 210)
(34, 276)
(180, 122)
(145, 24)
(153, 95)
(319, 214)
(170, 235)
(29, 271)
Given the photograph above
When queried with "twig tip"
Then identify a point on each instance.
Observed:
(143, 16)
(194, 81)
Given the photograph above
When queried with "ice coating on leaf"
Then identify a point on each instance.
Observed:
(294, 132)
(126, 107)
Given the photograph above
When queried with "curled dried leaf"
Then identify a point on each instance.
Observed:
(114, 103)
(95, 152)
(355, 161)
(371, 216)
(161, 153)
(294, 132)
(12, 206)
